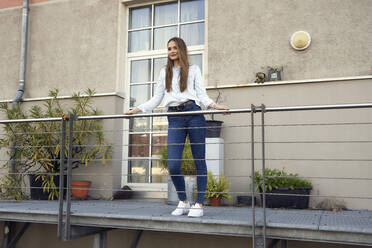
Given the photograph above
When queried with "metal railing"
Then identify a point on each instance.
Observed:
(257, 145)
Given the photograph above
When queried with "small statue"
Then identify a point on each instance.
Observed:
(260, 78)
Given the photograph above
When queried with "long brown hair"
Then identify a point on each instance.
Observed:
(184, 63)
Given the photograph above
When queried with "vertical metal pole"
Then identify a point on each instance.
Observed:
(253, 110)
(263, 173)
(284, 243)
(100, 240)
(61, 178)
(69, 170)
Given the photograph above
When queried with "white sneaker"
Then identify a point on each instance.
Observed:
(196, 211)
(182, 208)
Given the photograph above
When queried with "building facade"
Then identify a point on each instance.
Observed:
(118, 47)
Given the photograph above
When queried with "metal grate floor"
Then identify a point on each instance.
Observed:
(215, 218)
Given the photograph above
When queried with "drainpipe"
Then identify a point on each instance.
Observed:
(22, 71)
(23, 63)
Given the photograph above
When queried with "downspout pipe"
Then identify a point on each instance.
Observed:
(23, 60)
(22, 74)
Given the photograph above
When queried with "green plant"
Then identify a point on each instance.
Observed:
(217, 187)
(187, 165)
(36, 146)
(276, 68)
(278, 178)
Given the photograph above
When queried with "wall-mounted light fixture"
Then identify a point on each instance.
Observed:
(300, 40)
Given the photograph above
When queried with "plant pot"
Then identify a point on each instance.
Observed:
(215, 201)
(36, 188)
(213, 129)
(79, 189)
(190, 186)
(245, 200)
(293, 198)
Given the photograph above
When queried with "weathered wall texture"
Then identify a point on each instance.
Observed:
(72, 46)
(245, 35)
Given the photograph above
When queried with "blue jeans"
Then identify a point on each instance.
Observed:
(178, 128)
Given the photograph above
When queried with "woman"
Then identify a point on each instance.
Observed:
(181, 86)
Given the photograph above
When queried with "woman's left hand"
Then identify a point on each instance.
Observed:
(218, 107)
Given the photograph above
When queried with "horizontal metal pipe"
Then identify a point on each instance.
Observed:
(31, 120)
(318, 107)
(206, 112)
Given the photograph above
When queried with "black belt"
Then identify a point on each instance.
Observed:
(181, 106)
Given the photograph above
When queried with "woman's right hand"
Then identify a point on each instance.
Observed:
(133, 111)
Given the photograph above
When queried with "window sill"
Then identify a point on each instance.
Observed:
(132, 2)
(272, 83)
(149, 187)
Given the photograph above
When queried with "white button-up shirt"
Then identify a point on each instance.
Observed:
(195, 90)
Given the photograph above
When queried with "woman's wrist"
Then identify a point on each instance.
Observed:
(212, 105)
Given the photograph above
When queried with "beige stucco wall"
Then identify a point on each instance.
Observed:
(245, 35)
(38, 235)
(72, 46)
(307, 159)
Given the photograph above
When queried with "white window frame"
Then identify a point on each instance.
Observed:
(152, 54)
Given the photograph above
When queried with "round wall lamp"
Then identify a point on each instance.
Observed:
(300, 40)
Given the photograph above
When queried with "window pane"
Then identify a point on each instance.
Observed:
(139, 124)
(159, 142)
(139, 145)
(139, 94)
(158, 173)
(140, 71)
(160, 123)
(166, 14)
(138, 171)
(196, 59)
(193, 34)
(139, 40)
(159, 63)
(140, 17)
(162, 35)
(192, 10)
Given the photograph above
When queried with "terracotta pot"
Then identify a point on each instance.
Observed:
(215, 201)
(79, 189)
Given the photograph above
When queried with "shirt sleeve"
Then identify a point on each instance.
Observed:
(158, 94)
(201, 93)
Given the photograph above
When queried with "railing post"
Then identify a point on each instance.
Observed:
(61, 177)
(263, 173)
(253, 110)
(69, 171)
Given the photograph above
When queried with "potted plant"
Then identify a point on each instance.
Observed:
(217, 188)
(38, 148)
(214, 126)
(275, 73)
(188, 169)
(284, 190)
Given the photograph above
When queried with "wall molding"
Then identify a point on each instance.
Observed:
(33, 99)
(278, 83)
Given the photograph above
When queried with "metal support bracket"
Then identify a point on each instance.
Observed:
(82, 231)
(136, 239)
(17, 236)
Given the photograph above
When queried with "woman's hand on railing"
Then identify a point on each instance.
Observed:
(133, 111)
(218, 107)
